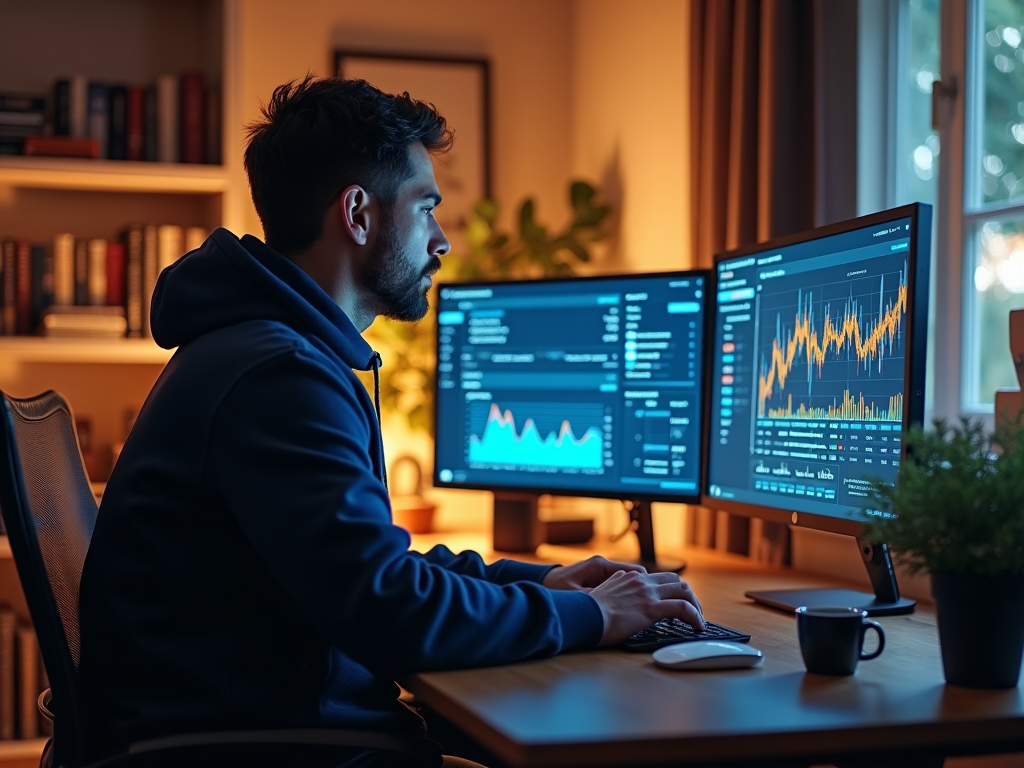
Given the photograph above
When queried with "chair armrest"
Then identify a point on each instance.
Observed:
(43, 704)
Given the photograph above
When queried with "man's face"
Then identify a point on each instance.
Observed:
(409, 244)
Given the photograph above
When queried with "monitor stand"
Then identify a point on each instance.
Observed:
(886, 600)
(641, 524)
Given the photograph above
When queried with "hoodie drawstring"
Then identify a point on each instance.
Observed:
(375, 364)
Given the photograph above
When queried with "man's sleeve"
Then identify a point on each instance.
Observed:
(499, 572)
(289, 456)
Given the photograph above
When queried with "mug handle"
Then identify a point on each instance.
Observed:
(869, 624)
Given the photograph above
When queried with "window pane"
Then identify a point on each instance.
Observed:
(1001, 60)
(917, 143)
(998, 288)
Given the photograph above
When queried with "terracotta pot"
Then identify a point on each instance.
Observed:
(408, 508)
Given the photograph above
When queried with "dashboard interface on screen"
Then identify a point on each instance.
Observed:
(585, 386)
(808, 371)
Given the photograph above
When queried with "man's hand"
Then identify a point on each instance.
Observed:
(586, 574)
(631, 601)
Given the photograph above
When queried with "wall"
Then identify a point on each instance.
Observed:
(528, 43)
(630, 124)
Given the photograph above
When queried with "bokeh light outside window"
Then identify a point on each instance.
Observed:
(994, 215)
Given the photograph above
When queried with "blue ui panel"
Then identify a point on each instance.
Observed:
(583, 386)
(814, 376)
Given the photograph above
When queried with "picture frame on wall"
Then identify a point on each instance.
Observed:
(460, 90)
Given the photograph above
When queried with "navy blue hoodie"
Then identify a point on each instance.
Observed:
(244, 571)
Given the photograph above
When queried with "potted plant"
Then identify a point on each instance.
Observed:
(956, 511)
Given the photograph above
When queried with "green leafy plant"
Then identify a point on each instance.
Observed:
(957, 505)
(407, 376)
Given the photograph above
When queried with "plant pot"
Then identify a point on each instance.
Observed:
(981, 628)
(414, 514)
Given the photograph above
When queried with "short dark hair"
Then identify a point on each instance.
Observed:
(321, 135)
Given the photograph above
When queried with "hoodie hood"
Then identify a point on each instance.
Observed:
(227, 281)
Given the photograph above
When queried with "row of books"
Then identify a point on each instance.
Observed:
(93, 287)
(22, 679)
(175, 119)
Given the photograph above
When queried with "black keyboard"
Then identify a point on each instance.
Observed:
(671, 631)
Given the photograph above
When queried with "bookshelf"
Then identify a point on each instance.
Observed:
(29, 349)
(118, 42)
(111, 175)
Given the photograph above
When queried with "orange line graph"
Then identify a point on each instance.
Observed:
(836, 335)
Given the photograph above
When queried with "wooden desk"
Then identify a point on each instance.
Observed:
(610, 708)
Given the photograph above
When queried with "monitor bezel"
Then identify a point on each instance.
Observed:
(918, 270)
(693, 498)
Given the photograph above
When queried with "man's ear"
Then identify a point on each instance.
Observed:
(356, 210)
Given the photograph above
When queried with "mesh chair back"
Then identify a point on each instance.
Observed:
(49, 511)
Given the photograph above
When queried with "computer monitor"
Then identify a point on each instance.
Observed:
(581, 386)
(816, 369)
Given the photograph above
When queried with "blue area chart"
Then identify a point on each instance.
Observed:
(503, 445)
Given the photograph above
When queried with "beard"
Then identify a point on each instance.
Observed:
(393, 279)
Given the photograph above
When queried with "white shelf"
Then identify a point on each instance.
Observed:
(37, 349)
(111, 175)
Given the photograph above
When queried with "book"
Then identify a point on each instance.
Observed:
(192, 104)
(195, 237)
(23, 291)
(97, 272)
(27, 119)
(10, 131)
(62, 107)
(28, 682)
(167, 119)
(81, 271)
(213, 125)
(150, 271)
(115, 274)
(150, 139)
(42, 281)
(117, 127)
(61, 146)
(99, 116)
(135, 124)
(84, 322)
(8, 671)
(8, 254)
(78, 107)
(170, 239)
(21, 102)
(132, 239)
(64, 268)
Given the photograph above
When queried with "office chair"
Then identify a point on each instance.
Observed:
(49, 511)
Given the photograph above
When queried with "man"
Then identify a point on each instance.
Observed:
(244, 572)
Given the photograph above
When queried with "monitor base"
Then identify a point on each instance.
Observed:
(791, 599)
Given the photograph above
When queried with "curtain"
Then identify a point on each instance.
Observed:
(767, 89)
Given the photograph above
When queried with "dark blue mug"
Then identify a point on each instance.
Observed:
(832, 638)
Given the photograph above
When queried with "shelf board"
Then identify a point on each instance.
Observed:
(37, 349)
(111, 175)
(19, 749)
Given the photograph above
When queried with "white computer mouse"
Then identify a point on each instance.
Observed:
(707, 654)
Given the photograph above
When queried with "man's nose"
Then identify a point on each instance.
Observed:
(440, 246)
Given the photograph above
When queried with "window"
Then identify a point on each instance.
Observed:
(993, 195)
(971, 167)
